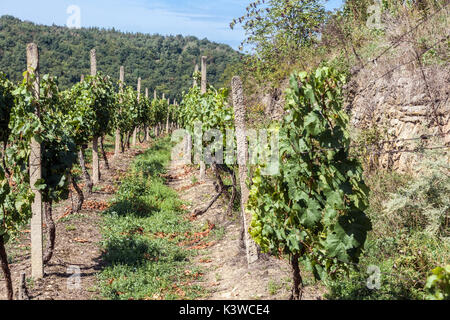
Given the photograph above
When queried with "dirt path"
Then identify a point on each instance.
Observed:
(77, 243)
(226, 275)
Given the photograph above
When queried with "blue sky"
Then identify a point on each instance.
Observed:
(201, 18)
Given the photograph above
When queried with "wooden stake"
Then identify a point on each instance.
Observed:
(37, 266)
(242, 153)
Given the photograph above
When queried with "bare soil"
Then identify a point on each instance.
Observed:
(227, 275)
(77, 242)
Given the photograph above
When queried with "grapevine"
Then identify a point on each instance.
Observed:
(213, 112)
(58, 156)
(15, 191)
(314, 209)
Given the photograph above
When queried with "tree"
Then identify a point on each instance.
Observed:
(276, 30)
(63, 54)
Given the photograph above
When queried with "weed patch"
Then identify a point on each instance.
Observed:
(143, 233)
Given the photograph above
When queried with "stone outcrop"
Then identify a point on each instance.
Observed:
(401, 106)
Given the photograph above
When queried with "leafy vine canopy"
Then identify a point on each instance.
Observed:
(315, 206)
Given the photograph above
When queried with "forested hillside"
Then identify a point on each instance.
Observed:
(164, 63)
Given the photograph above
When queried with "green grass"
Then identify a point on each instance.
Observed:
(218, 233)
(405, 253)
(142, 232)
(194, 179)
(274, 286)
(72, 217)
(71, 227)
(404, 262)
(96, 188)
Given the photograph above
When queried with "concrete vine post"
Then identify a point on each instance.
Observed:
(204, 80)
(87, 176)
(117, 142)
(147, 129)
(202, 176)
(93, 62)
(242, 155)
(37, 265)
(175, 105)
(161, 124)
(168, 116)
(138, 97)
(156, 125)
(95, 158)
(188, 139)
(22, 289)
(195, 71)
